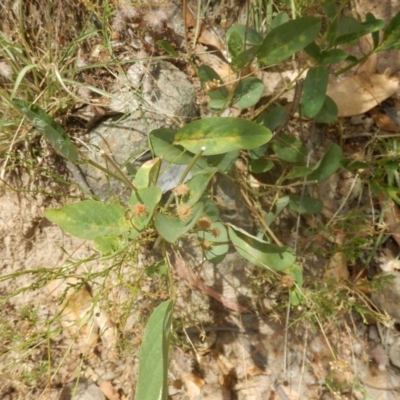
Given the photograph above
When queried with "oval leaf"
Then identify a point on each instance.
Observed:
(197, 185)
(172, 228)
(328, 165)
(328, 113)
(287, 39)
(89, 219)
(289, 149)
(244, 32)
(153, 360)
(314, 91)
(220, 135)
(248, 92)
(259, 252)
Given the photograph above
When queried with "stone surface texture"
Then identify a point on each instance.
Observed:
(152, 96)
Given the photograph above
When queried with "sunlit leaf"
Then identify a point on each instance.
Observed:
(153, 360)
(287, 39)
(172, 228)
(217, 242)
(220, 135)
(259, 252)
(89, 219)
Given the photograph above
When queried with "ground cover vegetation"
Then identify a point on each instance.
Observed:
(52, 56)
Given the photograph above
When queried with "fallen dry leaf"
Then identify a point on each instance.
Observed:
(362, 92)
(337, 268)
(222, 68)
(391, 215)
(109, 390)
(76, 312)
(209, 38)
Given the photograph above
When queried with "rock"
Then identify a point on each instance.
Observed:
(166, 99)
(387, 299)
(394, 353)
(82, 389)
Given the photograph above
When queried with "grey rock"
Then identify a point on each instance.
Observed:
(387, 299)
(82, 389)
(166, 100)
(394, 353)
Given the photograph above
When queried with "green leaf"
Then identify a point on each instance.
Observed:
(252, 37)
(272, 118)
(153, 360)
(149, 197)
(332, 56)
(89, 219)
(219, 243)
(313, 50)
(223, 162)
(197, 186)
(349, 29)
(391, 34)
(167, 47)
(248, 92)
(330, 8)
(375, 35)
(295, 294)
(259, 252)
(210, 209)
(147, 174)
(287, 39)
(161, 142)
(260, 165)
(305, 205)
(299, 172)
(235, 43)
(289, 149)
(328, 112)
(314, 91)
(159, 268)
(172, 228)
(109, 244)
(328, 165)
(220, 135)
(220, 96)
(244, 59)
(162, 145)
(53, 132)
(279, 19)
